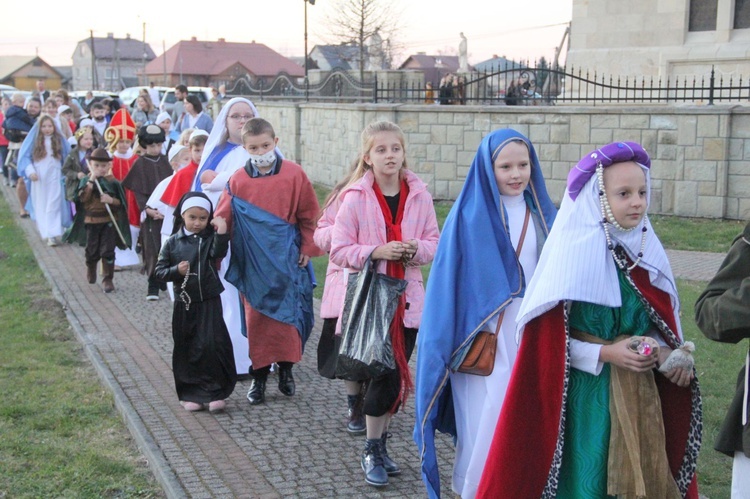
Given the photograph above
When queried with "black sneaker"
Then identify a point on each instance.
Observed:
(153, 292)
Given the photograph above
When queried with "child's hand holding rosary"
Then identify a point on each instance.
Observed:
(402, 251)
(183, 267)
(410, 250)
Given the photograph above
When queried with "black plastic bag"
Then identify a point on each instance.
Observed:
(369, 306)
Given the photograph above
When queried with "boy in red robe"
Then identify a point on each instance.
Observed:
(271, 210)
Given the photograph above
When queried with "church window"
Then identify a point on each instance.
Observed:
(703, 15)
(741, 14)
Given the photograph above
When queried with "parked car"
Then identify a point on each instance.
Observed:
(9, 90)
(130, 94)
(167, 102)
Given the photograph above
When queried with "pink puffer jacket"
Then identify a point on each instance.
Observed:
(335, 285)
(360, 227)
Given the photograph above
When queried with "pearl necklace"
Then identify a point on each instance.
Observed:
(609, 219)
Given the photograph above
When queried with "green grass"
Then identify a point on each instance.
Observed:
(60, 433)
(717, 365)
(696, 234)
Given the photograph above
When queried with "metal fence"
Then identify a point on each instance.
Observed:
(511, 85)
(337, 86)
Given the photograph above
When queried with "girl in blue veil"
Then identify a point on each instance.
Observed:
(40, 165)
(476, 283)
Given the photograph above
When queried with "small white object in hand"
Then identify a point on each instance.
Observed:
(682, 357)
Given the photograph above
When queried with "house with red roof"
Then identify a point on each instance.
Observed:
(434, 67)
(204, 63)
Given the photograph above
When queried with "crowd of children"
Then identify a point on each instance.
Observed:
(579, 305)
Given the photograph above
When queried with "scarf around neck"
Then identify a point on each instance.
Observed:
(395, 268)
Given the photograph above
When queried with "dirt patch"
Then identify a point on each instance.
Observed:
(46, 304)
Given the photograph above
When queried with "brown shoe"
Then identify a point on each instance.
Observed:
(91, 272)
(108, 272)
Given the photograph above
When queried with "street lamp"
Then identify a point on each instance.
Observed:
(311, 2)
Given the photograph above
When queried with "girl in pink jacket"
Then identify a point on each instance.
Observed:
(330, 309)
(387, 213)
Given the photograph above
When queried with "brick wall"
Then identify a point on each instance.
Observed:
(700, 155)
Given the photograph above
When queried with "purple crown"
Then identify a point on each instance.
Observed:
(616, 152)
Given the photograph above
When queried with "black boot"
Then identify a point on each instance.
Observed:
(372, 463)
(356, 424)
(257, 393)
(390, 466)
(91, 272)
(108, 272)
(286, 380)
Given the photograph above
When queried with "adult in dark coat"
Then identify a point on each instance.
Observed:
(723, 314)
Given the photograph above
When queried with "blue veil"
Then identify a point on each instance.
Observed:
(475, 274)
(25, 159)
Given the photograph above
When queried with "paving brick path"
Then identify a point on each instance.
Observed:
(289, 447)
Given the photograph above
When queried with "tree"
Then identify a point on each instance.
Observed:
(355, 21)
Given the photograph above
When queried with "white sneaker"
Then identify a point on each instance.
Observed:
(51, 242)
(152, 297)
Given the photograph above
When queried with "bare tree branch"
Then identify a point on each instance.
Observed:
(355, 21)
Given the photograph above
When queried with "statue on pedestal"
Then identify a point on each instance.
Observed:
(463, 55)
(375, 54)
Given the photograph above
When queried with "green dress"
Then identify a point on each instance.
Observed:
(583, 473)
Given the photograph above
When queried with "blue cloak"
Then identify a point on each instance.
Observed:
(263, 267)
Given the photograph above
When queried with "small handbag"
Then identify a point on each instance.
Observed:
(480, 359)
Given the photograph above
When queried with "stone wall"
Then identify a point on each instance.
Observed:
(700, 155)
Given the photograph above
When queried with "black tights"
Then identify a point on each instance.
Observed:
(383, 391)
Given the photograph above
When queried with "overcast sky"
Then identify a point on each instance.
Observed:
(527, 29)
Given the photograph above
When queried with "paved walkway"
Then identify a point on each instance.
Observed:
(695, 265)
(289, 447)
